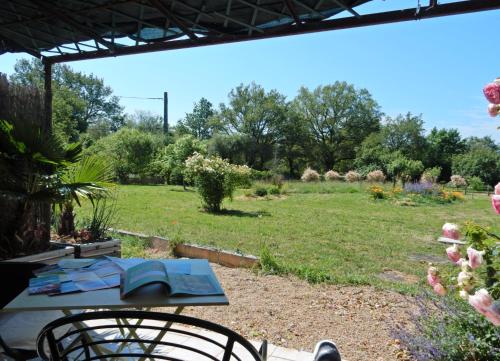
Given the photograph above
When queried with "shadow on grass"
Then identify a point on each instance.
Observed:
(187, 190)
(238, 213)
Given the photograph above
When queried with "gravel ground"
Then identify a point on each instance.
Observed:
(292, 313)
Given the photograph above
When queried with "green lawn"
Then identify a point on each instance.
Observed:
(334, 230)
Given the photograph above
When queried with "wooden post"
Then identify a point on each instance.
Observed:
(47, 126)
(165, 112)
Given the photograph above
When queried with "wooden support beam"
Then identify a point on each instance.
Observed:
(173, 18)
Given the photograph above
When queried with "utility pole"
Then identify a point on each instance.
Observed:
(165, 112)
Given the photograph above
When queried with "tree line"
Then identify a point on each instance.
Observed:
(332, 127)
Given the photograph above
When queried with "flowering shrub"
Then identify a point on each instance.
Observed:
(419, 188)
(377, 192)
(310, 175)
(458, 181)
(215, 179)
(331, 175)
(376, 176)
(352, 176)
(477, 281)
(430, 175)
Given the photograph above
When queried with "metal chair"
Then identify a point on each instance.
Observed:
(153, 335)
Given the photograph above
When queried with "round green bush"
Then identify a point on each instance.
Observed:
(261, 192)
(275, 191)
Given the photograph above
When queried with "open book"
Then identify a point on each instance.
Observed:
(150, 272)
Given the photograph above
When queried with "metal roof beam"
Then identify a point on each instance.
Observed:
(292, 11)
(348, 8)
(248, 26)
(20, 46)
(73, 23)
(173, 18)
(455, 8)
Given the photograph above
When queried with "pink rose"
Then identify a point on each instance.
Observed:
(453, 253)
(439, 289)
(433, 276)
(450, 230)
(492, 91)
(481, 300)
(493, 110)
(475, 257)
(495, 202)
(497, 189)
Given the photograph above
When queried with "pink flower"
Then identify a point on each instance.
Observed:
(475, 257)
(453, 253)
(493, 110)
(492, 91)
(450, 230)
(433, 276)
(481, 300)
(483, 303)
(497, 189)
(439, 289)
(495, 202)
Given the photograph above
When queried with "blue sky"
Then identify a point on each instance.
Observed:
(436, 67)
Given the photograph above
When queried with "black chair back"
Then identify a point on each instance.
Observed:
(136, 335)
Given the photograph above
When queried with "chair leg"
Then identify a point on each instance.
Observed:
(263, 350)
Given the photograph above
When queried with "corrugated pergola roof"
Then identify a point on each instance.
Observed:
(65, 30)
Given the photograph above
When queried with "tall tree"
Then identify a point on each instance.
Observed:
(442, 145)
(80, 99)
(405, 133)
(254, 113)
(199, 122)
(339, 118)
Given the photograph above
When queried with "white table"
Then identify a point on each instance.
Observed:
(146, 298)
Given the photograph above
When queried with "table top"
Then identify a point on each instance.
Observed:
(148, 296)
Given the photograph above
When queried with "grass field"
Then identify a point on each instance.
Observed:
(327, 231)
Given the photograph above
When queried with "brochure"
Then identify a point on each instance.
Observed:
(150, 272)
(44, 284)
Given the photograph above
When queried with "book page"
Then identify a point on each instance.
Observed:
(198, 285)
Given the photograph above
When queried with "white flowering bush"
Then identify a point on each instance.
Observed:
(310, 175)
(353, 176)
(430, 175)
(458, 181)
(215, 179)
(376, 176)
(331, 175)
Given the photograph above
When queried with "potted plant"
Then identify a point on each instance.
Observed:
(32, 163)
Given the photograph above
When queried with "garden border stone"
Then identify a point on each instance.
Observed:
(222, 257)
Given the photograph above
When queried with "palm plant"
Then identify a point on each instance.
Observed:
(38, 170)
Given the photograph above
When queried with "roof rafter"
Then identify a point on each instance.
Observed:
(48, 7)
(348, 8)
(30, 51)
(173, 18)
(292, 11)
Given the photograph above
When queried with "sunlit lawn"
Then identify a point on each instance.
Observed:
(320, 228)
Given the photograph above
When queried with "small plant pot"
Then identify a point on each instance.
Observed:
(57, 252)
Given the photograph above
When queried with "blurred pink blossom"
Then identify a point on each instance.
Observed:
(439, 289)
(495, 202)
(483, 303)
(450, 230)
(453, 253)
(497, 189)
(433, 276)
(475, 257)
(493, 110)
(492, 91)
